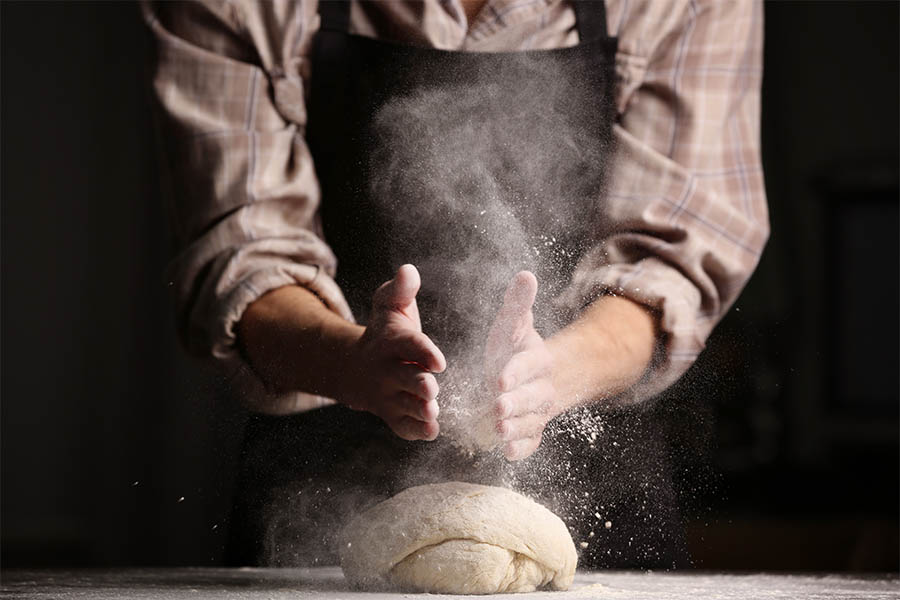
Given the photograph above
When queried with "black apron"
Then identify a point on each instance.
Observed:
(472, 166)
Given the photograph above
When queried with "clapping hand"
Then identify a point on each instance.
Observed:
(518, 368)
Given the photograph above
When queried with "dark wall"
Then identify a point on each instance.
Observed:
(800, 379)
(106, 425)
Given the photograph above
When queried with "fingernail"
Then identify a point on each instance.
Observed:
(432, 407)
(500, 408)
(509, 452)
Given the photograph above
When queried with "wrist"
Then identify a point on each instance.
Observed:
(331, 374)
(295, 343)
(604, 352)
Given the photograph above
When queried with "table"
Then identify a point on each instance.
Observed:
(327, 583)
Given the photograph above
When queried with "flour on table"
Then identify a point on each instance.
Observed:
(458, 538)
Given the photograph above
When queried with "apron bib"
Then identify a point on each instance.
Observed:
(469, 165)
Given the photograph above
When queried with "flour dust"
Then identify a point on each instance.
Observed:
(480, 180)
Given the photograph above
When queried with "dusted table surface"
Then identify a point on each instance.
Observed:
(327, 583)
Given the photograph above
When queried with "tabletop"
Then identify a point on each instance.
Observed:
(327, 583)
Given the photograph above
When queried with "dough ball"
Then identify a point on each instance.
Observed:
(458, 538)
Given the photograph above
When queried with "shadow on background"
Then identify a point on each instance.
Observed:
(117, 449)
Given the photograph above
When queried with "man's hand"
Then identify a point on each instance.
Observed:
(295, 342)
(518, 372)
(603, 352)
(389, 369)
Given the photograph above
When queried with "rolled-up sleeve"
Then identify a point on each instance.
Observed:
(228, 82)
(685, 216)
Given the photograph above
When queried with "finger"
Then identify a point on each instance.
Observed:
(399, 296)
(521, 292)
(400, 291)
(534, 397)
(412, 429)
(523, 367)
(414, 380)
(419, 349)
(513, 320)
(408, 405)
(518, 300)
(519, 428)
(520, 449)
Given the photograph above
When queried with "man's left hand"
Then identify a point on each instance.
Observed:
(518, 368)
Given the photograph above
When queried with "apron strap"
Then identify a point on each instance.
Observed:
(590, 17)
(334, 15)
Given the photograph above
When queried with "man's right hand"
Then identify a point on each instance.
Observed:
(295, 343)
(390, 367)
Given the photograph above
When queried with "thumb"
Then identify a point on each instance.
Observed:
(515, 314)
(512, 322)
(400, 293)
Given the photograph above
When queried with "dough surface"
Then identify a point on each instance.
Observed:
(458, 538)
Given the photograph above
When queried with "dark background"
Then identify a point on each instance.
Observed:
(117, 449)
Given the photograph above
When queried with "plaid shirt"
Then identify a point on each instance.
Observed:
(686, 194)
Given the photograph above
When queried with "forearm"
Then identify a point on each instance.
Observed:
(606, 350)
(294, 342)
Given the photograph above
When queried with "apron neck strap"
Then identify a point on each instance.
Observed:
(590, 17)
(334, 15)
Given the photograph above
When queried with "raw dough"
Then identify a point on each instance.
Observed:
(458, 538)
